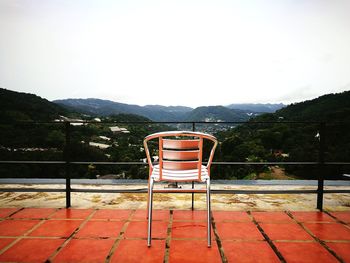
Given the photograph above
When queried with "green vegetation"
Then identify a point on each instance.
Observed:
(27, 132)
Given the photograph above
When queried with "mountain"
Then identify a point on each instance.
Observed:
(330, 107)
(217, 113)
(26, 107)
(157, 112)
(258, 107)
(106, 107)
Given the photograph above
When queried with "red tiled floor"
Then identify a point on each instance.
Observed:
(100, 229)
(16, 227)
(137, 251)
(341, 249)
(238, 230)
(193, 251)
(139, 229)
(312, 217)
(272, 217)
(72, 213)
(308, 252)
(5, 212)
(220, 216)
(114, 214)
(5, 241)
(343, 216)
(189, 230)
(85, 250)
(31, 250)
(254, 252)
(189, 215)
(283, 231)
(34, 213)
(163, 215)
(329, 231)
(56, 228)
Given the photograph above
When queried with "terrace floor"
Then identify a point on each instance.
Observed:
(112, 235)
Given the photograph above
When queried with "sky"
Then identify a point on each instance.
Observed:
(184, 52)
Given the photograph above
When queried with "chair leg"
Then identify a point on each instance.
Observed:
(150, 203)
(208, 213)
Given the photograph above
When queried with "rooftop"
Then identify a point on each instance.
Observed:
(115, 235)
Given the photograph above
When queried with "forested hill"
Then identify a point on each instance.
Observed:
(331, 107)
(26, 107)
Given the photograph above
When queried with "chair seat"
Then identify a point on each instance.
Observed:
(180, 175)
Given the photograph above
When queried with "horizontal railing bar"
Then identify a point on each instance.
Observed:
(263, 191)
(142, 163)
(52, 190)
(174, 122)
(340, 191)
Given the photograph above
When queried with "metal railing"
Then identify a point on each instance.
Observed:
(68, 163)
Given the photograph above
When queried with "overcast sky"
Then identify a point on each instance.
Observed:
(176, 52)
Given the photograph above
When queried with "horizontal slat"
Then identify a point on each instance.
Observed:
(180, 144)
(180, 165)
(180, 155)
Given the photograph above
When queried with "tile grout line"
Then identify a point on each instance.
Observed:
(267, 238)
(318, 240)
(337, 219)
(218, 240)
(120, 237)
(54, 254)
(168, 238)
(25, 234)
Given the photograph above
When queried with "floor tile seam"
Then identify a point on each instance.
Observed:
(11, 214)
(267, 238)
(68, 239)
(338, 220)
(218, 239)
(10, 245)
(120, 237)
(318, 240)
(168, 237)
(35, 218)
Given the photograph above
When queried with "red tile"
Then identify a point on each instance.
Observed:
(343, 216)
(5, 242)
(112, 214)
(272, 217)
(341, 249)
(139, 229)
(189, 215)
(238, 230)
(138, 251)
(283, 231)
(85, 250)
(100, 229)
(31, 250)
(72, 213)
(189, 230)
(34, 213)
(193, 251)
(329, 231)
(16, 227)
(220, 216)
(254, 252)
(308, 252)
(312, 217)
(5, 212)
(56, 228)
(163, 215)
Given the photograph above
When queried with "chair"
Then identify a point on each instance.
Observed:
(180, 160)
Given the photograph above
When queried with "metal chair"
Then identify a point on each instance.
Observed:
(180, 160)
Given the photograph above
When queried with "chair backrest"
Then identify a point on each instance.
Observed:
(180, 150)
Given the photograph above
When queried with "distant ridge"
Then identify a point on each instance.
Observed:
(257, 107)
(168, 113)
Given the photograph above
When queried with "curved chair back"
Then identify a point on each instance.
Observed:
(180, 151)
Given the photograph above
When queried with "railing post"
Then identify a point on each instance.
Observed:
(192, 206)
(67, 157)
(320, 184)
